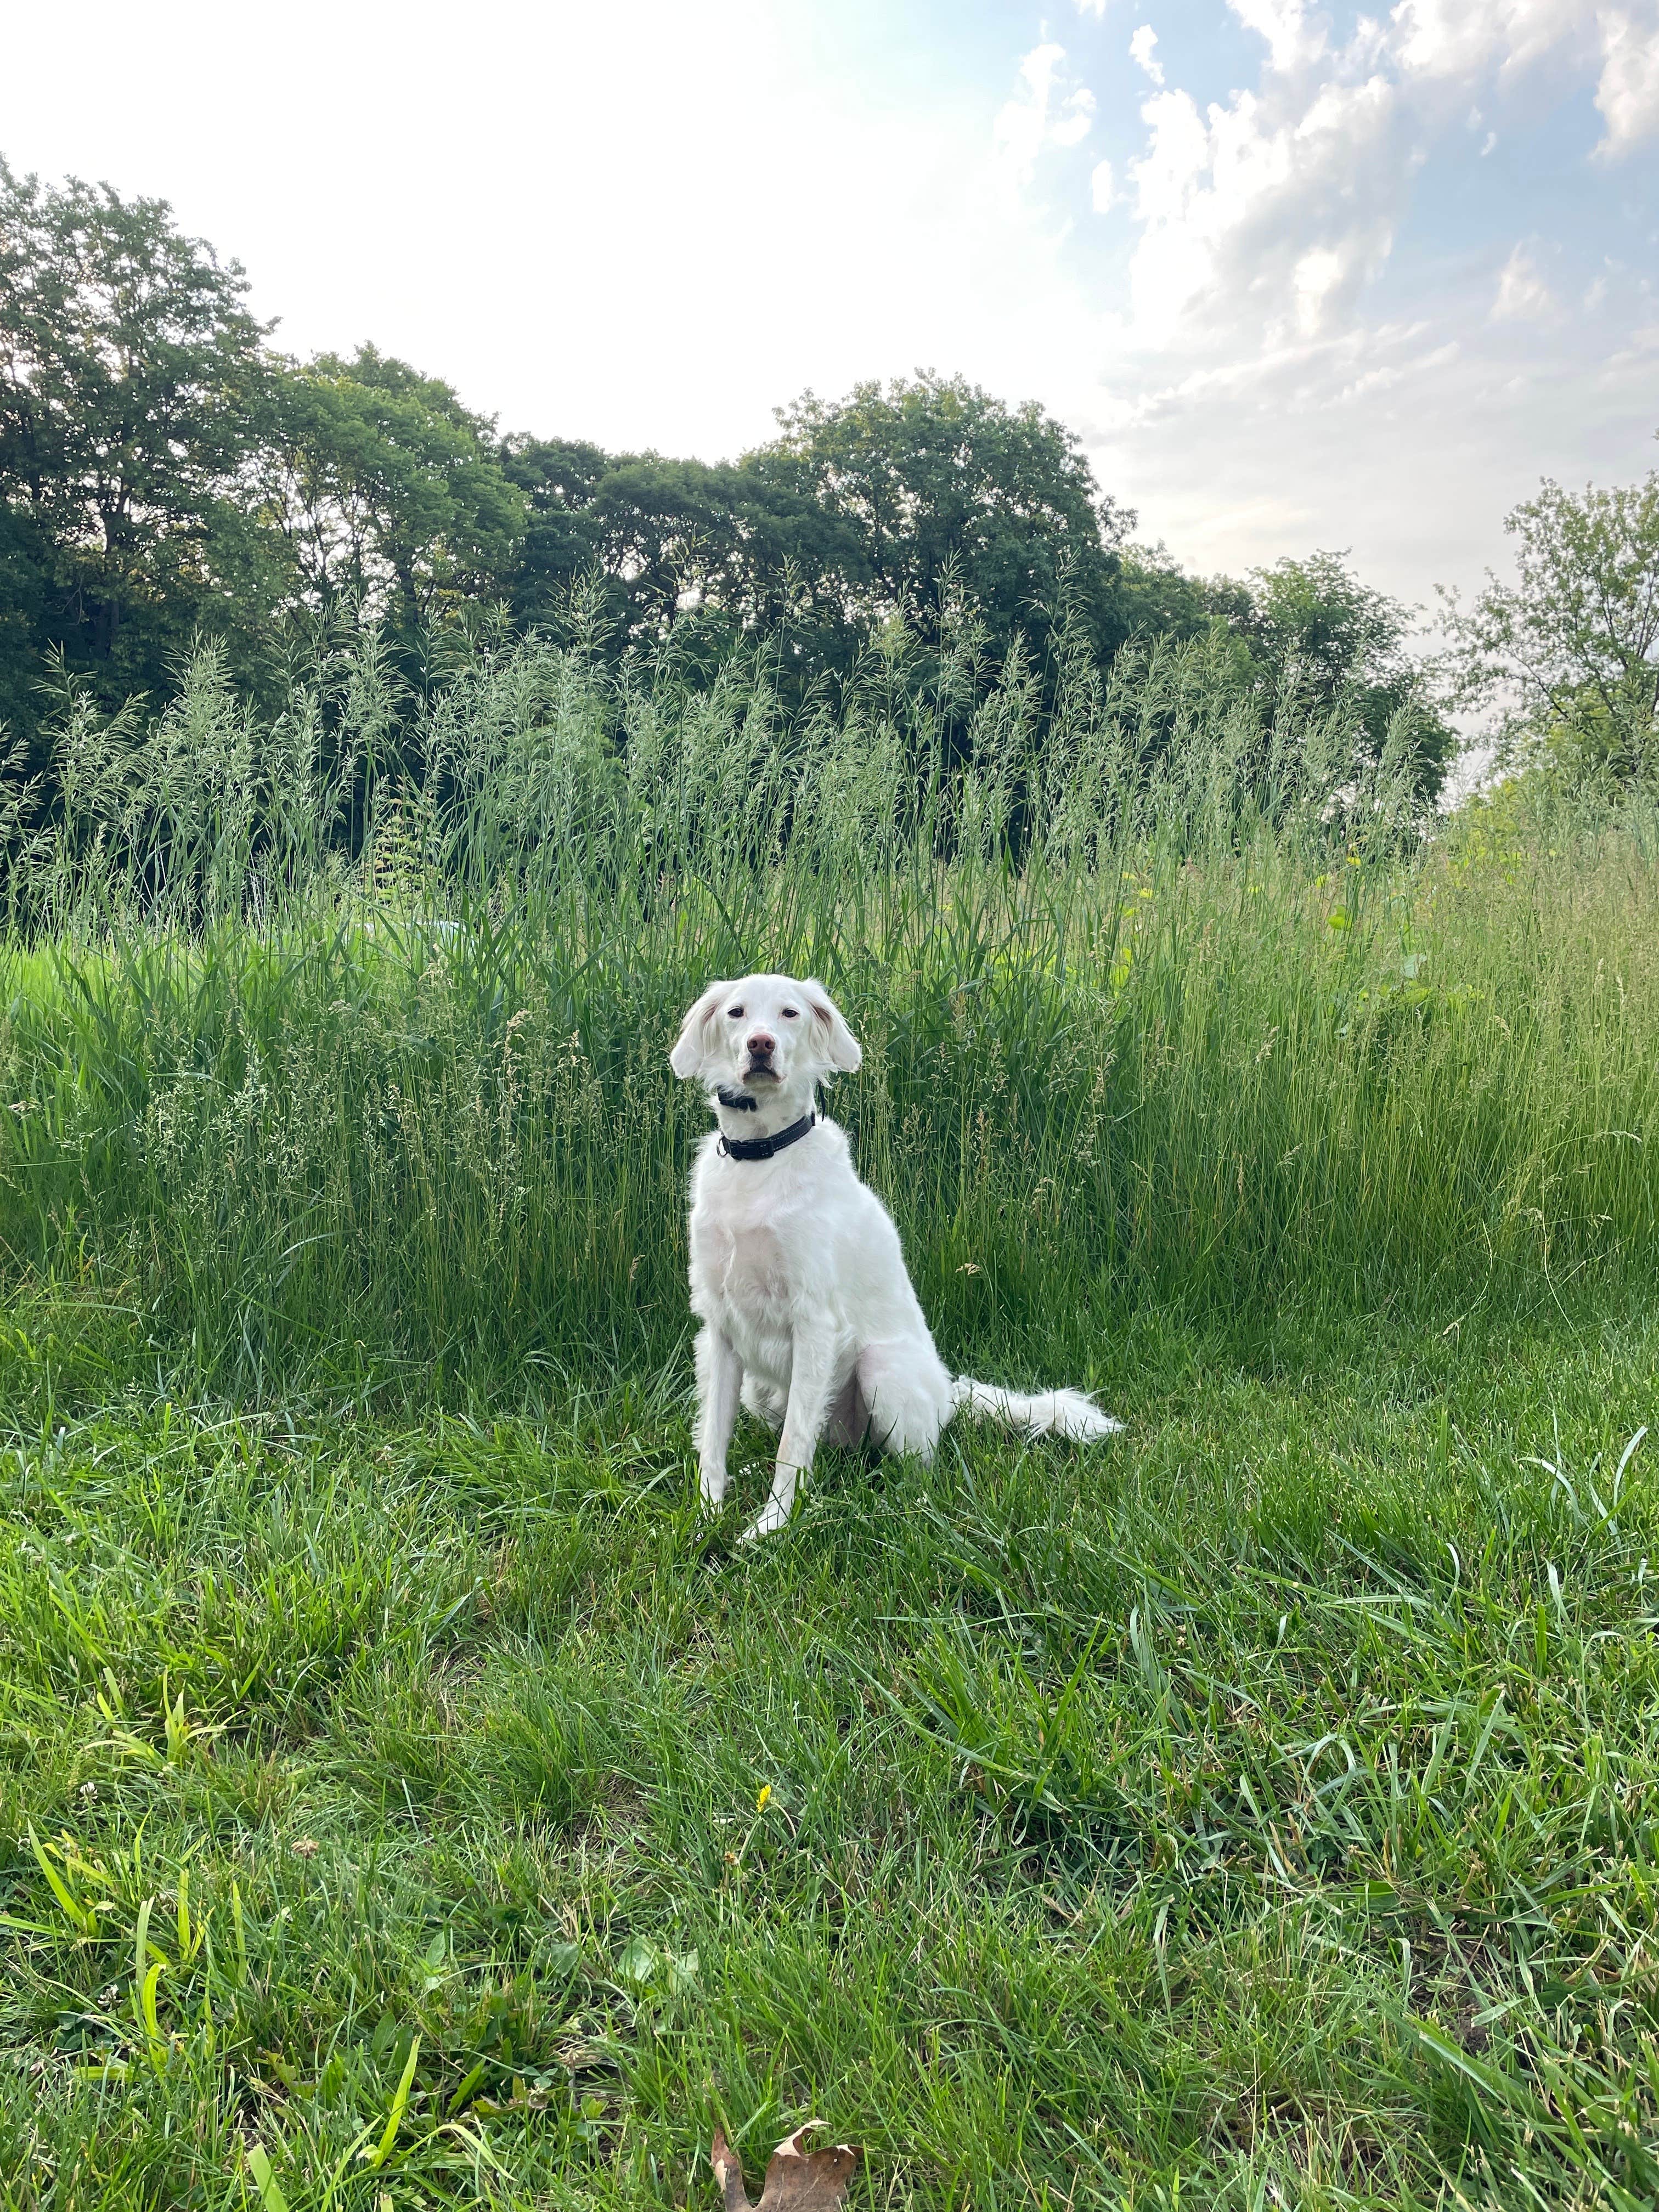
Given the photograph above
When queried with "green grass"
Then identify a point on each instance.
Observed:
(1259, 1811)
(358, 1083)
(365, 1147)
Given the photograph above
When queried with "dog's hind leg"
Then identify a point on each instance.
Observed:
(849, 1423)
(908, 1393)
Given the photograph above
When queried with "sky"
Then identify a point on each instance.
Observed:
(1296, 276)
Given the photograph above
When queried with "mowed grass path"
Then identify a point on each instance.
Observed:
(1257, 1811)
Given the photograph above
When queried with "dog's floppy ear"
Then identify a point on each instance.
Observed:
(841, 1049)
(691, 1046)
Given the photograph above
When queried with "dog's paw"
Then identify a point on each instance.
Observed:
(771, 1517)
(711, 1490)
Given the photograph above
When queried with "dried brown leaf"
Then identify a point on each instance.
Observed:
(797, 2180)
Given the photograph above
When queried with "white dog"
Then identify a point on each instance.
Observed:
(797, 1275)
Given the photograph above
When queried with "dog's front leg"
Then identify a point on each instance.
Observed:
(813, 1380)
(719, 1379)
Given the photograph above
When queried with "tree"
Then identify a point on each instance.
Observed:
(932, 480)
(23, 574)
(1313, 627)
(556, 478)
(884, 504)
(1569, 650)
(1316, 623)
(389, 495)
(734, 549)
(665, 532)
(1153, 594)
(129, 375)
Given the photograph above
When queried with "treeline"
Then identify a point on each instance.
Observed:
(167, 475)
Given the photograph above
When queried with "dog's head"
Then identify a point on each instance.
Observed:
(766, 1038)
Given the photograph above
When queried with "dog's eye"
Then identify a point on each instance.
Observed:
(790, 1014)
(734, 1013)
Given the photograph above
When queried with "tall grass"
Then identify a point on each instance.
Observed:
(1258, 1811)
(336, 1047)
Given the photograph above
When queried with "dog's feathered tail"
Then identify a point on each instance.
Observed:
(1048, 1412)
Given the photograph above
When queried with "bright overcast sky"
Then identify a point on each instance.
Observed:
(1297, 276)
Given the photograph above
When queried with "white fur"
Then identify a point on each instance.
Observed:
(808, 1314)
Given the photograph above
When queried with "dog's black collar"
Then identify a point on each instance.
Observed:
(736, 1101)
(764, 1148)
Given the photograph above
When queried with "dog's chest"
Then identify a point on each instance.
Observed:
(744, 1264)
(745, 1272)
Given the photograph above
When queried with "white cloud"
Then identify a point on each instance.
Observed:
(1449, 40)
(1266, 213)
(1292, 41)
(1461, 38)
(1042, 112)
(1143, 50)
(1522, 296)
(1317, 275)
(1254, 399)
(1103, 193)
(1628, 93)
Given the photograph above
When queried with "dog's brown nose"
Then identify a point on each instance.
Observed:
(761, 1046)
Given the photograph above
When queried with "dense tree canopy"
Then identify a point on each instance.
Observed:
(934, 479)
(164, 472)
(387, 493)
(129, 374)
(1313, 626)
(859, 510)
